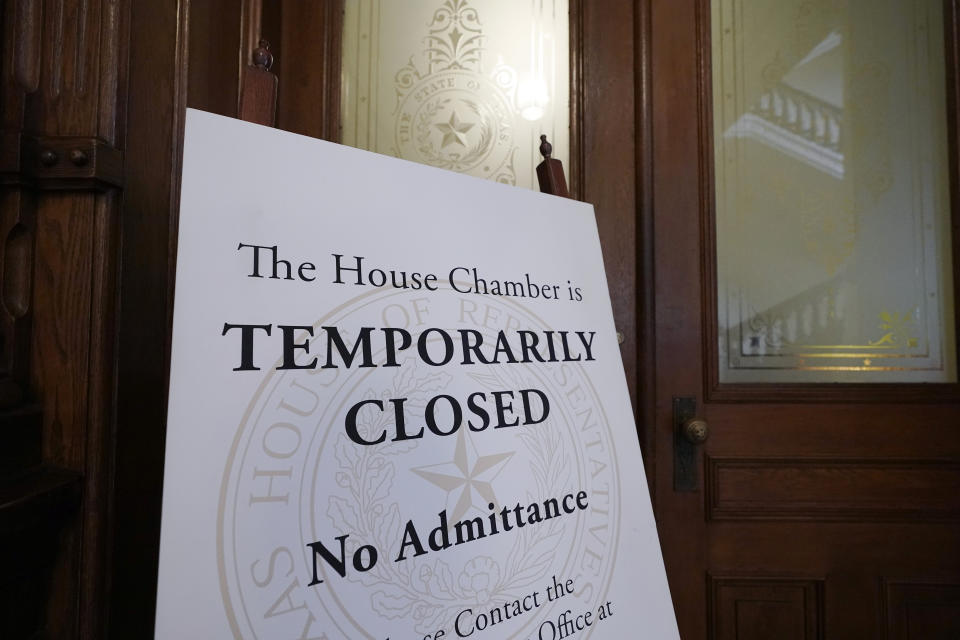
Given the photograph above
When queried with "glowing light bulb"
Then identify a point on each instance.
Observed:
(532, 96)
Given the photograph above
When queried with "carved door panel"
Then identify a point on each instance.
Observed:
(803, 174)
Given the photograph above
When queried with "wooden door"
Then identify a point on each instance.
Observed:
(815, 509)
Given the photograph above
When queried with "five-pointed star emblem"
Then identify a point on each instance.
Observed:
(453, 131)
(468, 473)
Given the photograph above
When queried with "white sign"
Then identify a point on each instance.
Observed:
(397, 407)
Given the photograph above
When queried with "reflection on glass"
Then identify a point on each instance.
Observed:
(465, 85)
(832, 196)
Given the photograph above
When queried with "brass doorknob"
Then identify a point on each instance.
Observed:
(695, 430)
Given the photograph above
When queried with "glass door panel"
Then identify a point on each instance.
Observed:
(465, 85)
(832, 191)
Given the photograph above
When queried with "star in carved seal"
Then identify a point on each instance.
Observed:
(469, 473)
(453, 131)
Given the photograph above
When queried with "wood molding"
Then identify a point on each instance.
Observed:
(98, 457)
(27, 18)
(707, 203)
(951, 15)
(646, 353)
(831, 489)
(113, 65)
(847, 393)
(576, 98)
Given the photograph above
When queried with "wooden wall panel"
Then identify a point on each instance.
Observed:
(155, 108)
(215, 56)
(309, 69)
(762, 608)
(60, 359)
(65, 101)
(61, 309)
(918, 611)
(60, 167)
(98, 464)
(606, 163)
(832, 489)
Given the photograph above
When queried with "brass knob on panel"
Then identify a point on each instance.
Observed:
(79, 157)
(695, 430)
(48, 157)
